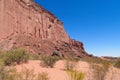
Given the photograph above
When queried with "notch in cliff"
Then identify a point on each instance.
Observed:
(25, 24)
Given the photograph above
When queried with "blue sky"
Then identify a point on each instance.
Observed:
(96, 23)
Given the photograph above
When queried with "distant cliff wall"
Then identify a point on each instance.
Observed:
(25, 24)
(26, 17)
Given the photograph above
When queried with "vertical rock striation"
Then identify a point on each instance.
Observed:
(26, 17)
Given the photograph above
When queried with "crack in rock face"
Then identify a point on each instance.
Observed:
(27, 1)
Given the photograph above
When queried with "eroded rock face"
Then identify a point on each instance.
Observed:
(26, 17)
(26, 24)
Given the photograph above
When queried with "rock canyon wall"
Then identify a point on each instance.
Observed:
(25, 24)
(26, 17)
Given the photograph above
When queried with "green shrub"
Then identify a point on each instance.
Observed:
(14, 56)
(99, 66)
(7, 58)
(117, 63)
(100, 70)
(3, 71)
(49, 61)
(10, 73)
(14, 75)
(106, 65)
(42, 76)
(34, 57)
(74, 59)
(69, 65)
(93, 60)
(76, 75)
(25, 74)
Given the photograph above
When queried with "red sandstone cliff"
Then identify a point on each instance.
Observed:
(25, 24)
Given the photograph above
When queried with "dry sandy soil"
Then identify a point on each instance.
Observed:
(59, 73)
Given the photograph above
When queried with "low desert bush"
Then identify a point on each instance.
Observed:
(34, 57)
(117, 63)
(100, 70)
(100, 67)
(49, 61)
(25, 74)
(99, 73)
(93, 60)
(106, 64)
(74, 59)
(14, 75)
(42, 76)
(69, 65)
(75, 75)
(3, 71)
(70, 69)
(14, 56)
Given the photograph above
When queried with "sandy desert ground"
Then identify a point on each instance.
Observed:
(58, 71)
